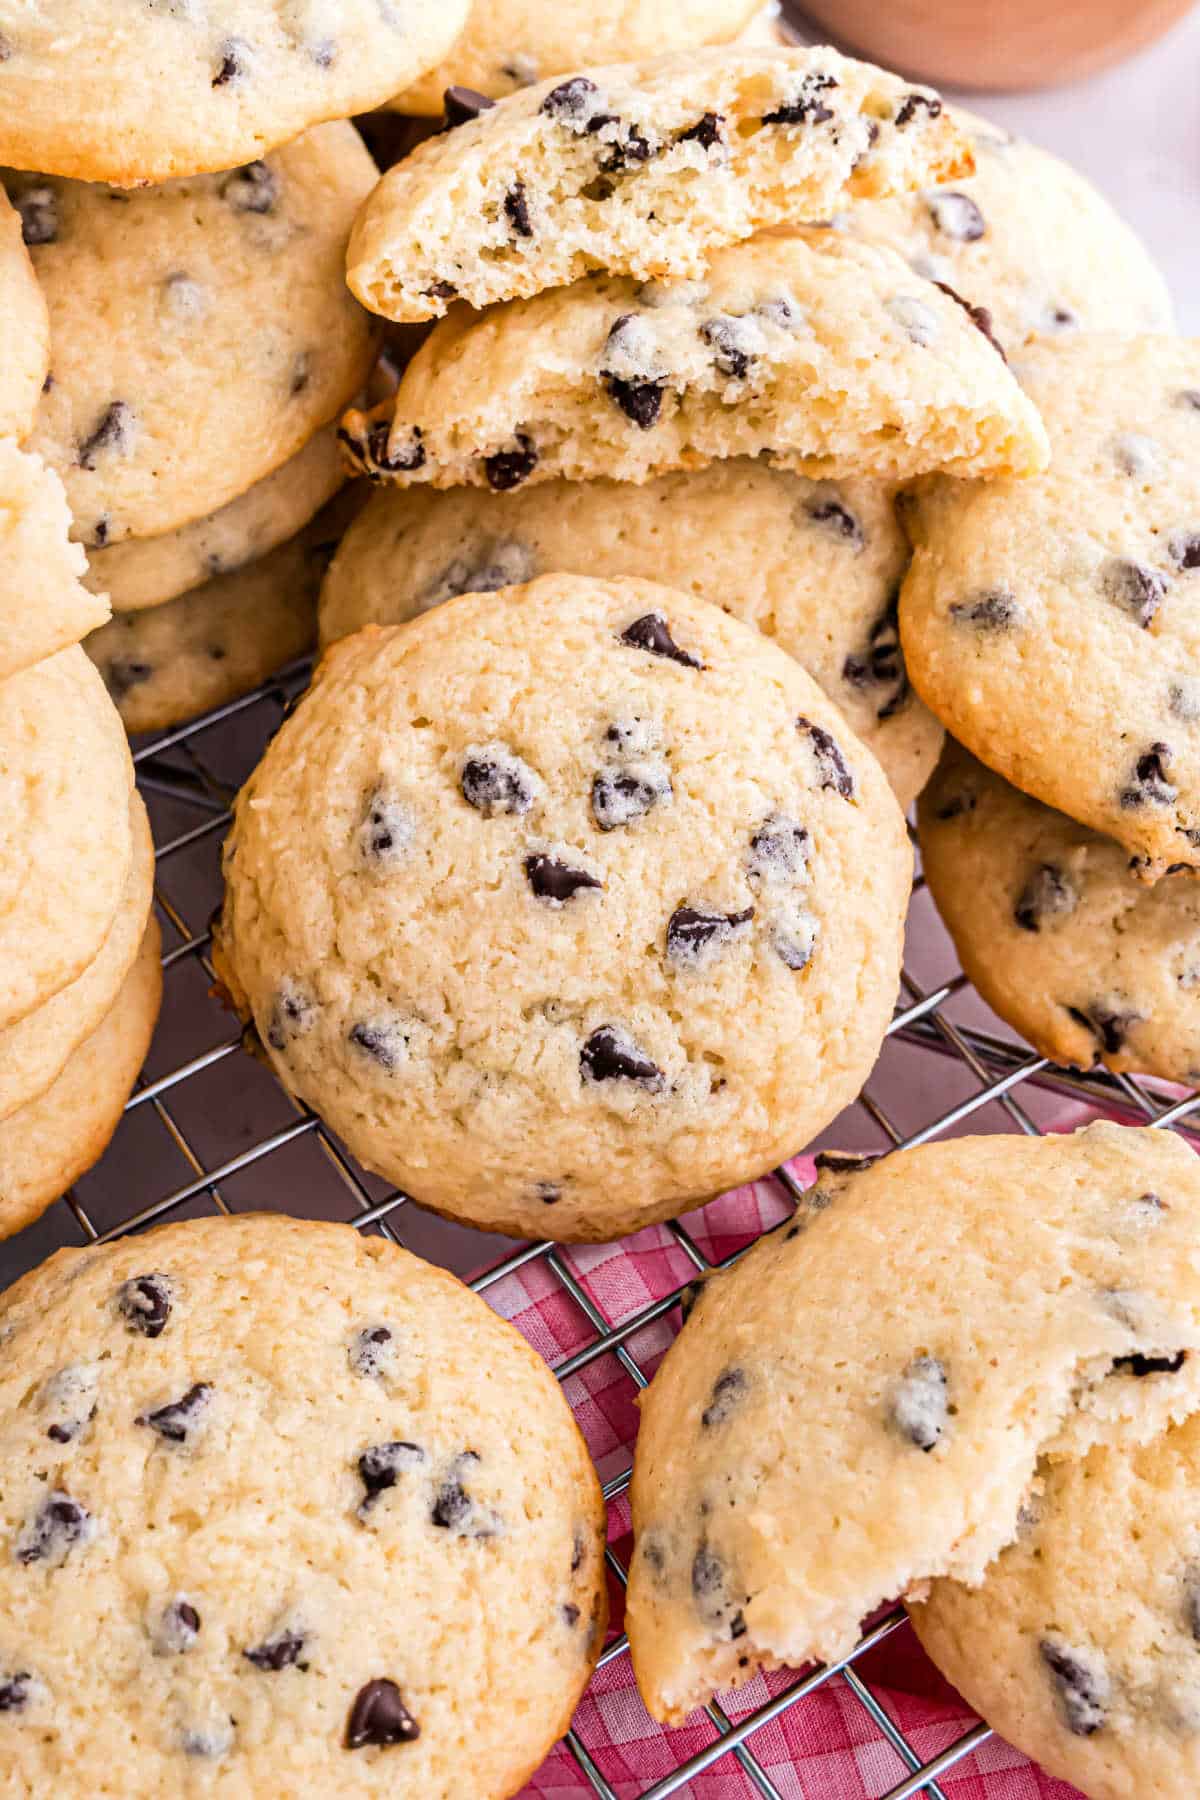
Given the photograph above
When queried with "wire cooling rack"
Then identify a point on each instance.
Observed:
(210, 1128)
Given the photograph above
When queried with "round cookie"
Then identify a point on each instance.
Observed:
(173, 662)
(65, 782)
(155, 91)
(814, 565)
(142, 572)
(201, 330)
(1085, 961)
(1028, 238)
(55, 1138)
(1054, 625)
(510, 44)
(567, 906)
(329, 1515)
(1080, 1646)
(44, 606)
(35, 1049)
(642, 169)
(813, 351)
(894, 1359)
(24, 329)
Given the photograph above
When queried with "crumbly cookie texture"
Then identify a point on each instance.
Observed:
(815, 352)
(1028, 238)
(567, 906)
(24, 329)
(55, 1138)
(201, 330)
(511, 44)
(1058, 936)
(641, 169)
(1080, 1646)
(329, 1515)
(144, 572)
(65, 782)
(35, 1049)
(44, 606)
(1054, 626)
(155, 91)
(816, 565)
(167, 664)
(859, 1404)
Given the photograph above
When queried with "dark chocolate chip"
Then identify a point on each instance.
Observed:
(1136, 589)
(1141, 1366)
(570, 1615)
(706, 131)
(689, 1298)
(980, 317)
(578, 1551)
(845, 1162)
(234, 63)
(1110, 1029)
(793, 937)
(914, 103)
(516, 210)
(571, 102)
(113, 432)
(370, 1350)
(507, 469)
(441, 290)
(610, 1054)
(708, 1573)
(640, 401)
(548, 1192)
(882, 664)
(956, 216)
(692, 932)
(807, 107)
(178, 1421)
(381, 1464)
(38, 208)
(277, 1652)
(386, 833)
(123, 673)
(557, 881)
(58, 1525)
(993, 610)
(100, 530)
(402, 457)
(619, 796)
(292, 1015)
(652, 632)
(778, 850)
(379, 1718)
(1191, 1603)
(384, 1040)
(177, 1629)
(837, 519)
(15, 1691)
(1047, 894)
(956, 806)
(453, 1508)
(301, 372)
(918, 1405)
(734, 343)
(728, 1391)
(144, 1302)
(1184, 547)
(1150, 786)
(833, 771)
(462, 104)
(632, 148)
(1082, 1685)
(498, 783)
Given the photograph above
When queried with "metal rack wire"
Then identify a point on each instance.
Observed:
(193, 1139)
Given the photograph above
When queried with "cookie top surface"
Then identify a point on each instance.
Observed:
(1026, 236)
(1080, 1646)
(44, 606)
(815, 565)
(510, 44)
(1057, 934)
(201, 330)
(895, 1359)
(24, 329)
(568, 906)
(640, 169)
(330, 1516)
(159, 91)
(65, 781)
(819, 353)
(1054, 625)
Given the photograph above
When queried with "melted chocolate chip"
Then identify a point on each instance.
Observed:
(292, 1015)
(571, 102)
(454, 1509)
(113, 433)
(1141, 1366)
(844, 1162)
(689, 1298)
(708, 1573)
(277, 1652)
(570, 1615)
(693, 933)
(177, 1629)
(385, 1040)
(882, 664)
(462, 104)
(918, 1406)
(640, 401)
(1150, 786)
(734, 343)
(807, 107)
(793, 936)
(1110, 1029)
(728, 1392)
(833, 771)
(956, 216)
(404, 457)
(578, 1551)
(1136, 589)
(386, 833)
(557, 881)
(380, 1466)
(1184, 547)
(631, 148)
(144, 1302)
(54, 1530)
(123, 673)
(652, 632)
(497, 782)
(372, 1351)
(1082, 1685)
(516, 210)
(994, 610)
(778, 851)
(38, 209)
(980, 317)
(610, 1054)
(15, 1691)
(623, 795)
(233, 64)
(379, 1718)
(706, 132)
(180, 1420)
(1047, 894)
(507, 469)
(914, 103)
(828, 511)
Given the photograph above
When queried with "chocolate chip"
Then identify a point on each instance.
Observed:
(372, 1351)
(1189, 398)
(706, 131)
(403, 458)
(113, 433)
(640, 401)
(918, 1405)
(727, 1394)
(610, 1054)
(177, 1629)
(71, 1393)
(918, 321)
(845, 1162)
(806, 107)
(38, 208)
(1184, 547)
(833, 771)
(507, 469)
(301, 372)
(882, 664)
(180, 1420)
(144, 1302)
(379, 1718)
(980, 317)
(914, 103)
(516, 210)
(572, 102)
(385, 1040)
(207, 1740)
(496, 781)
(632, 147)
(992, 610)
(1082, 1685)
(1110, 1029)
(1141, 1366)
(955, 807)
(54, 1530)
(1047, 894)
(708, 1573)
(689, 1299)
(782, 311)
(1061, 318)
(557, 882)
(439, 290)
(652, 632)
(1150, 786)
(956, 216)
(15, 1691)
(570, 1615)
(454, 1509)
(293, 1014)
(623, 795)
(123, 673)
(1136, 589)
(234, 63)
(462, 104)
(277, 1652)
(548, 1192)
(778, 850)
(693, 933)
(100, 530)
(1191, 1603)
(735, 343)
(381, 1464)
(386, 834)
(829, 511)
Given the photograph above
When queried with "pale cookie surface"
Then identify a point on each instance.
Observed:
(170, 663)
(142, 572)
(24, 329)
(44, 605)
(1081, 1645)
(154, 91)
(329, 1516)
(894, 1360)
(641, 169)
(815, 565)
(1054, 625)
(65, 782)
(54, 1139)
(34, 1050)
(201, 330)
(1027, 237)
(510, 44)
(1058, 936)
(820, 354)
(568, 906)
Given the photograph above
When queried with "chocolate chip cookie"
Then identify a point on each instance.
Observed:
(44, 606)
(24, 329)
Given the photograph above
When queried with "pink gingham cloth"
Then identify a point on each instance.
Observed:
(826, 1747)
